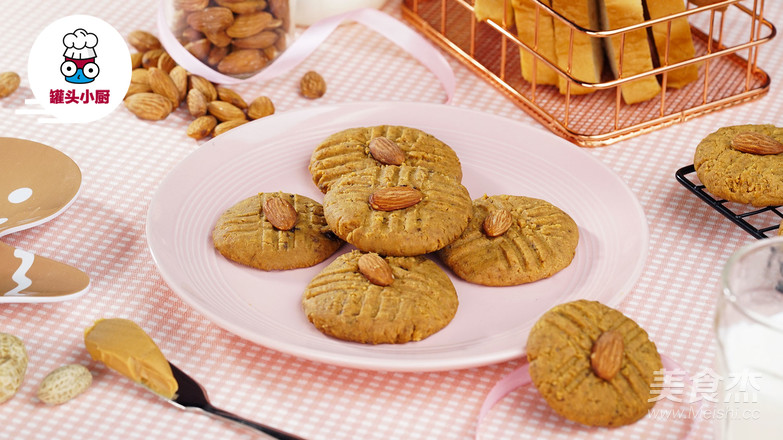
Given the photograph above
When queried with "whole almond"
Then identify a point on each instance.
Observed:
(243, 7)
(281, 9)
(9, 82)
(64, 383)
(150, 58)
(375, 269)
(190, 5)
(135, 88)
(395, 197)
(136, 60)
(166, 63)
(225, 111)
(756, 143)
(191, 34)
(260, 107)
(140, 76)
(242, 61)
(201, 127)
(246, 25)
(218, 38)
(204, 86)
(228, 125)
(150, 106)
(312, 85)
(197, 103)
(497, 222)
(280, 212)
(199, 48)
(143, 41)
(386, 151)
(606, 356)
(232, 97)
(162, 84)
(211, 19)
(261, 40)
(180, 77)
(216, 55)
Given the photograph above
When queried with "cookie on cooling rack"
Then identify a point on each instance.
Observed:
(512, 240)
(375, 300)
(398, 211)
(275, 231)
(358, 148)
(743, 164)
(592, 364)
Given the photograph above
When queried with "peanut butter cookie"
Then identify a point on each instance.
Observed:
(593, 365)
(398, 211)
(751, 175)
(358, 148)
(417, 300)
(512, 240)
(275, 231)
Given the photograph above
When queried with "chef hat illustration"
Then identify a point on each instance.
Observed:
(80, 45)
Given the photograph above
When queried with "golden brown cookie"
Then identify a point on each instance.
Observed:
(740, 176)
(343, 303)
(537, 240)
(354, 150)
(593, 365)
(425, 226)
(245, 234)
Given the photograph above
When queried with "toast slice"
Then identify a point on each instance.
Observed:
(494, 10)
(637, 56)
(587, 57)
(525, 18)
(680, 41)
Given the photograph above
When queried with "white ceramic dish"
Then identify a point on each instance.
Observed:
(498, 156)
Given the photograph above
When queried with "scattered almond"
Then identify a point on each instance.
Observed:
(260, 107)
(386, 151)
(242, 61)
(9, 82)
(143, 41)
(756, 143)
(228, 125)
(606, 356)
(204, 86)
(180, 77)
(312, 85)
(497, 222)
(135, 88)
(280, 212)
(166, 63)
(150, 106)
(64, 383)
(232, 97)
(225, 111)
(197, 103)
(140, 76)
(375, 269)
(162, 84)
(136, 60)
(395, 197)
(201, 127)
(150, 58)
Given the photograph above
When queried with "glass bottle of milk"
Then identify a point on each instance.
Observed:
(749, 334)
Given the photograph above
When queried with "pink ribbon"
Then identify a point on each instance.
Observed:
(521, 377)
(391, 28)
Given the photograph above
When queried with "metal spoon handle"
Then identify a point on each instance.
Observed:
(268, 430)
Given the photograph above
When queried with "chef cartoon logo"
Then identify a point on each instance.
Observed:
(79, 70)
(79, 66)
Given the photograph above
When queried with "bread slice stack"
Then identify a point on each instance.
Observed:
(583, 56)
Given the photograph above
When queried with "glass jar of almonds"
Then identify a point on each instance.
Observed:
(233, 37)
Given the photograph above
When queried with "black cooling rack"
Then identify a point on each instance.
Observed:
(758, 222)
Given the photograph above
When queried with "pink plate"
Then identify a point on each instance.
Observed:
(498, 156)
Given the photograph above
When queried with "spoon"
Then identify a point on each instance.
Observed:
(37, 183)
(192, 395)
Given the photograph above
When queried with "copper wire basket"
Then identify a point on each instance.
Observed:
(726, 34)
